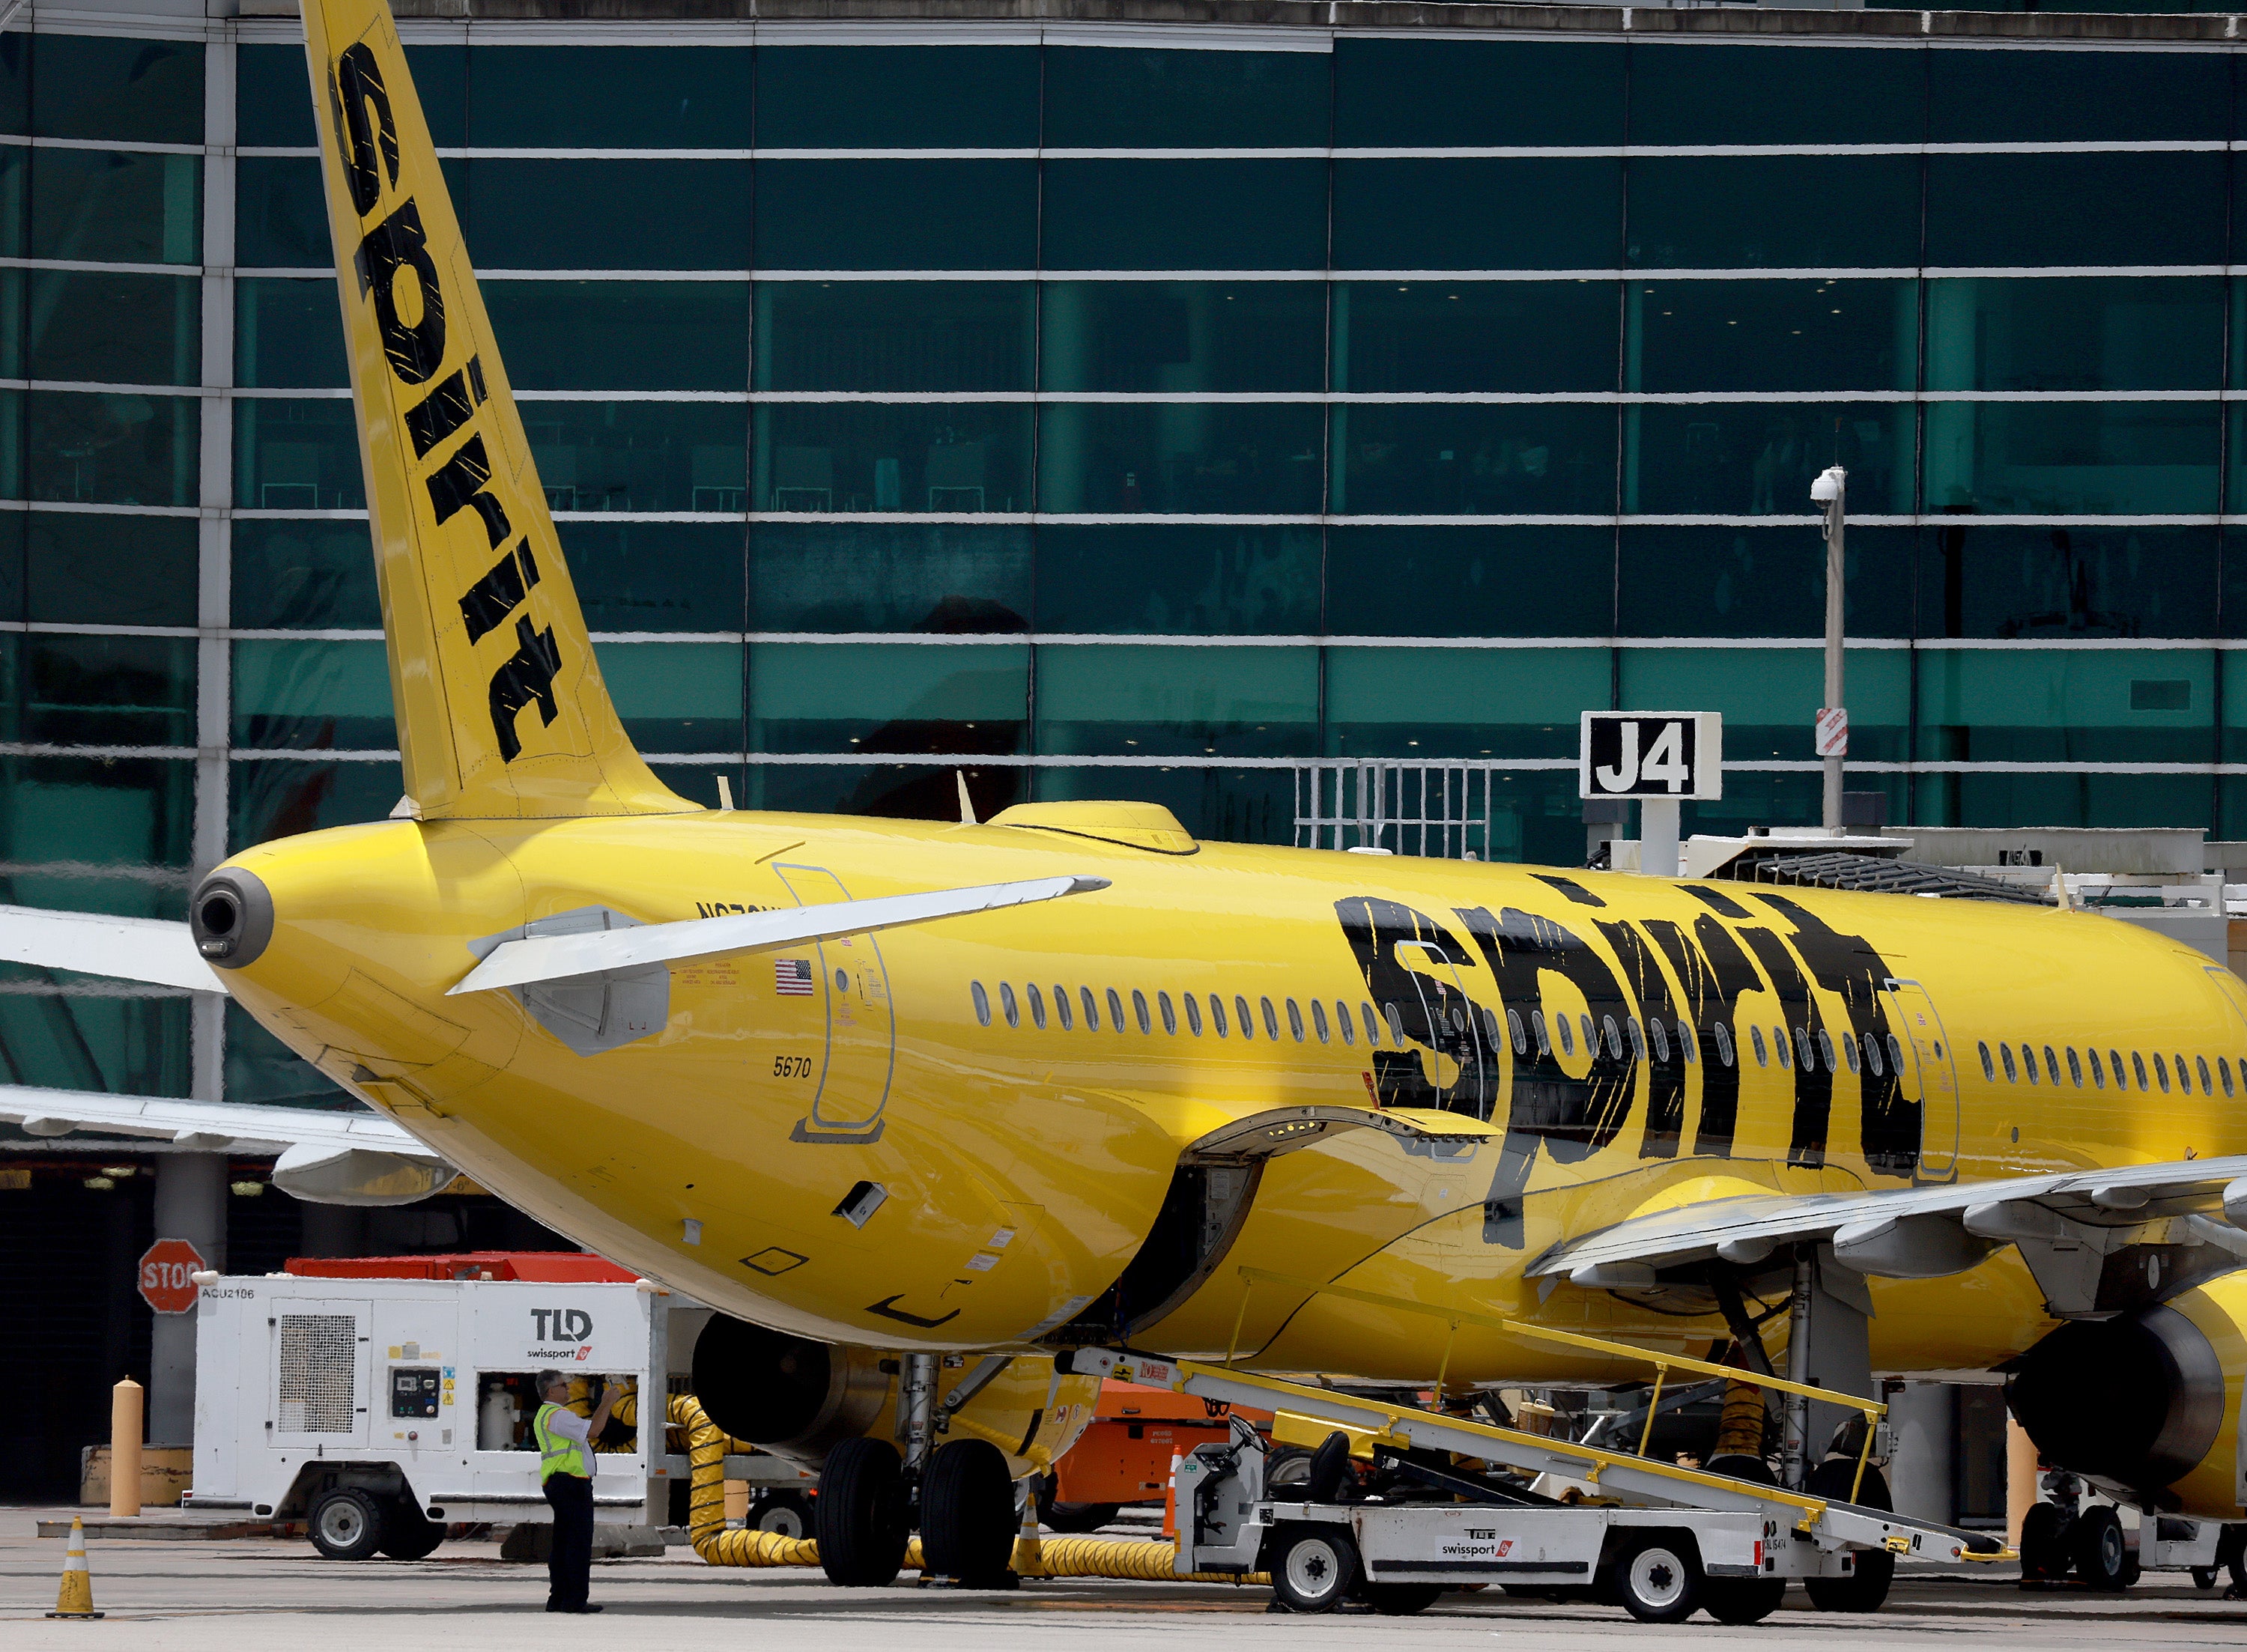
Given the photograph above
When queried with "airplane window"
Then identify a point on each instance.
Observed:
(1989, 1069)
(2206, 1088)
(1193, 1014)
(1661, 1038)
(2160, 1072)
(1240, 1014)
(1849, 1050)
(1007, 1003)
(1139, 1010)
(1271, 1021)
(2138, 1066)
(1319, 1021)
(1895, 1055)
(2074, 1068)
(1169, 1013)
(1826, 1049)
(1372, 1032)
(2050, 1065)
(2114, 1061)
(2005, 1055)
(1346, 1022)
(1724, 1043)
(2223, 1071)
(2184, 1076)
(1591, 1038)
(1091, 1009)
(1489, 1029)
(1763, 1056)
(2099, 1073)
(1516, 1032)
(1061, 1007)
(1295, 1022)
(1686, 1041)
(1115, 1010)
(1638, 1036)
(1783, 1047)
(1567, 1035)
(1037, 1006)
(1396, 1025)
(1537, 1025)
(2028, 1062)
(1873, 1055)
(982, 1001)
(1615, 1039)
(1217, 1014)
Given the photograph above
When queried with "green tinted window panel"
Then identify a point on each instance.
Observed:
(1770, 697)
(1469, 458)
(279, 798)
(656, 575)
(289, 333)
(16, 82)
(1705, 93)
(94, 1040)
(1125, 699)
(260, 1069)
(848, 698)
(115, 448)
(902, 791)
(1760, 582)
(1184, 215)
(15, 204)
(897, 215)
(13, 574)
(2065, 582)
(1771, 335)
(304, 575)
(2028, 211)
(897, 98)
(1183, 335)
(272, 98)
(944, 577)
(2233, 666)
(621, 335)
(943, 458)
(1461, 702)
(1217, 805)
(108, 691)
(440, 79)
(639, 455)
(1727, 212)
(82, 327)
(1155, 98)
(313, 695)
(1753, 801)
(1260, 458)
(2017, 799)
(2071, 458)
(98, 835)
(1475, 93)
(1522, 336)
(2077, 97)
(116, 206)
(103, 87)
(652, 215)
(2066, 705)
(2075, 332)
(1758, 458)
(1491, 581)
(1478, 212)
(1530, 815)
(897, 335)
(105, 569)
(1179, 578)
(675, 696)
(296, 455)
(280, 216)
(626, 97)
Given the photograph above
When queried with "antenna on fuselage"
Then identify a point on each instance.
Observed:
(967, 806)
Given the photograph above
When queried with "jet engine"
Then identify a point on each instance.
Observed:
(799, 1398)
(2146, 1405)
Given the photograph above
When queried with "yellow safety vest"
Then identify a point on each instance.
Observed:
(557, 1454)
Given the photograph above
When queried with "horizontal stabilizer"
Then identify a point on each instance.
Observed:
(128, 949)
(556, 958)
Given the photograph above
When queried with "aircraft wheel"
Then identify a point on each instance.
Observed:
(1865, 1589)
(1401, 1599)
(968, 1522)
(861, 1514)
(408, 1534)
(2203, 1577)
(1656, 1575)
(346, 1524)
(2102, 1555)
(1743, 1600)
(1314, 1567)
(2044, 1556)
(786, 1513)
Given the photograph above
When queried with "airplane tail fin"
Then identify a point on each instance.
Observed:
(502, 712)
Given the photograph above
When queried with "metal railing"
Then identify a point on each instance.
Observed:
(1407, 807)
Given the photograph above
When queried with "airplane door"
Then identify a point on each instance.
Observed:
(1931, 1080)
(2235, 993)
(861, 1050)
(1459, 1032)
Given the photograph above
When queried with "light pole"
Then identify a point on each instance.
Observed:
(1832, 738)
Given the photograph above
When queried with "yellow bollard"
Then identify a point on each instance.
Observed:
(125, 1450)
(75, 1598)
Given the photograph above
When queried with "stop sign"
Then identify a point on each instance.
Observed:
(166, 1271)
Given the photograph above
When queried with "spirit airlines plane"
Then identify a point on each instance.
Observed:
(883, 1092)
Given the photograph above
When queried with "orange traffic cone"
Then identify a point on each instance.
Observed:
(75, 1598)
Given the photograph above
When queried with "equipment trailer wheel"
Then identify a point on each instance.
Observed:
(861, 1514)
(1656, 1575)
(346, 1524)
(1865, 1588)
(2102, 1554)
(407, 1534)
(967, 1523)
(1401, 1599)
(1743, 1600)
(786, 1513)
(1314, 1567)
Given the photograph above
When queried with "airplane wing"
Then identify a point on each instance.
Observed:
(326, 1158)
(2098, 1242)
(132, 949)
(532, 960)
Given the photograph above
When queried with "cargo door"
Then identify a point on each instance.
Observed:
(1456, 1029)
(321, 1365)
(1928, 1077)
(860, 1051)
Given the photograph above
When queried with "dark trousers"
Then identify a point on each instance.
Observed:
(570, 1562)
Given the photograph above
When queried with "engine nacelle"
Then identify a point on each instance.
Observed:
(2147, 1404)
(799, 1399)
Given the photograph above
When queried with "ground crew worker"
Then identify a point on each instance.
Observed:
(565, 1474)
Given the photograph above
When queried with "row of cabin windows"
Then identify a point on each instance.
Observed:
(2099, 1073)
(1087, 1003)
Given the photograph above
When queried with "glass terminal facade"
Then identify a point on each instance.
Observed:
(1137, 411)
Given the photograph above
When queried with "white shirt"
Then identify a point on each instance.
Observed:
(567, 1424)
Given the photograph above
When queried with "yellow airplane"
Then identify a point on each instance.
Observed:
(884, 1092)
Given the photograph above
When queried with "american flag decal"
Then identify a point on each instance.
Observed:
(792, 977)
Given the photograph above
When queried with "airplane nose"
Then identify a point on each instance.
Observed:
(231, 916)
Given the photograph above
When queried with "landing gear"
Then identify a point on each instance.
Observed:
(2044, 1557)
(862, 1513)
(1864, 1589)
(2102, 1556)
(968, 1522)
